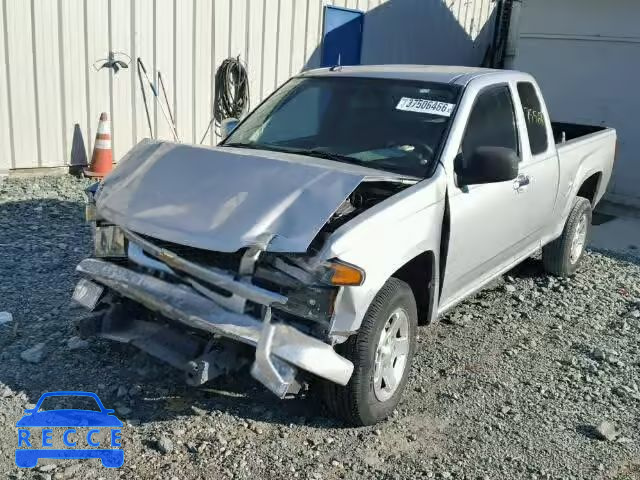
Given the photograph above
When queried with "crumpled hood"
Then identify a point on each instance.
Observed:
(224, 199)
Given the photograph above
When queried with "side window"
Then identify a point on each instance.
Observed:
(492, 122)
(534, 118)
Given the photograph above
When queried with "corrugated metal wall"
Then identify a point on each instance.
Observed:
(585, 67)
(51, 96)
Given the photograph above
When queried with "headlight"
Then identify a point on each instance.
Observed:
(312, 303)
(311, 293)
(109, 241)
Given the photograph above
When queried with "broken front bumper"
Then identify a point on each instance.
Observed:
(280, 349)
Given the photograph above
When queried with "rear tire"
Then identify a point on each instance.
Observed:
(381, 353)
(562, 256)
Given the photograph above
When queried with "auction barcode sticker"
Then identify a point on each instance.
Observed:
(421, 105)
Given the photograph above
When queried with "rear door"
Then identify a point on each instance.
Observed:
(487, 221)
(539, 168)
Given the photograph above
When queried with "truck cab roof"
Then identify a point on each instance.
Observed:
(455, 75)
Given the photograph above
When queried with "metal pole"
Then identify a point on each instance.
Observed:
(155, 94)
(166, 99)
(144, 99)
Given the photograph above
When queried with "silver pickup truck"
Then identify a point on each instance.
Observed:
(352, 205)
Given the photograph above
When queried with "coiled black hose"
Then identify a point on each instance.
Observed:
(231, 94)
(232, 90)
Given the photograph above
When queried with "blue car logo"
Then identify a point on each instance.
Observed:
(31, 448)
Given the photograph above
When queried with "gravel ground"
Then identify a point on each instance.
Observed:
(513, 383)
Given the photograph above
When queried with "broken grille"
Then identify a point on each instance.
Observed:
(229, 261)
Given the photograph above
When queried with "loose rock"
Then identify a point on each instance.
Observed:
(123, 410)
(607, 431)
(34, 354)
(5, 317)
(164, 445)
(76, 343)
(71, 470)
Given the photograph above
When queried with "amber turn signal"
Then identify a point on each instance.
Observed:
(344, 274)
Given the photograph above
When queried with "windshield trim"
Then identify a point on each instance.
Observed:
(430, 171)
(447, 133)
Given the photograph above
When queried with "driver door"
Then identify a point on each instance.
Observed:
(487, 221)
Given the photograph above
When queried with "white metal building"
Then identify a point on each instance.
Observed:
(586, 56)
(51, 96)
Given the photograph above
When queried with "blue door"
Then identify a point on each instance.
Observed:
(342, 36)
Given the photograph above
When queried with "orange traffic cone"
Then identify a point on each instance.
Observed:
(102, 158)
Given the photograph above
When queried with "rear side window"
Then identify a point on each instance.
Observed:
(534, 118)
(492, 122)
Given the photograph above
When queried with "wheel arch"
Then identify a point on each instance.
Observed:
(425, 272)
(405, 245)
(590, 187)
(421, 274)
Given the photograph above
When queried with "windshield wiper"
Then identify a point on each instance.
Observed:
(314, 152)
(254, 146)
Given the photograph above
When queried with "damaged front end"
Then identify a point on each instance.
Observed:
(198, 317)
(209, 272)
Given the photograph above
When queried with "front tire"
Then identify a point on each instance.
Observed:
(381, 353)
(562, 256)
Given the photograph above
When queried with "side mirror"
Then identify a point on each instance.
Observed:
(488, 165)
(227, 126)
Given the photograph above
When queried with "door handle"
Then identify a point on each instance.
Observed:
(521, 183)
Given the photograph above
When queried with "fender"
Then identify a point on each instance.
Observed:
(381, 241)
(587, 161)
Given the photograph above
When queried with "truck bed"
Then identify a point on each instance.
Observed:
(565, 132)
(583, 151)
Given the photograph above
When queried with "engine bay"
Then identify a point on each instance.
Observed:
(365, 196)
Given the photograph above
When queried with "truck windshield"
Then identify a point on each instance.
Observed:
(386, 124)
